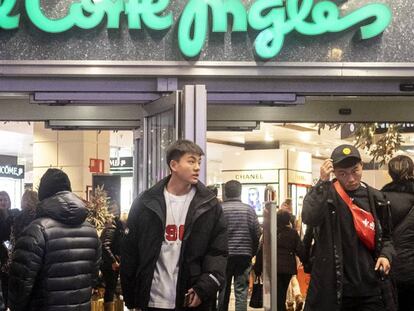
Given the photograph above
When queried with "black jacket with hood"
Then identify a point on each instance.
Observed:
(56, 259)
(401, 197)
(319, 211)
(203, 256)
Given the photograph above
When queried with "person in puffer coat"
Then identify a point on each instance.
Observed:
(400, 192)
(56, 260)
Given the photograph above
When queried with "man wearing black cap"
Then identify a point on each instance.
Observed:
(354, 246)
(56, 259)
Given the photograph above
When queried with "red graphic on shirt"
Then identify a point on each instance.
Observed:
(172, 233)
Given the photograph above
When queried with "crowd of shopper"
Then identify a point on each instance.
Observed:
(180, 246)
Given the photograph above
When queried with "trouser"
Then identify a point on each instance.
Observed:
(283, 281)
(368, 303)
(405, 296)
(111, 280)
(238, 267)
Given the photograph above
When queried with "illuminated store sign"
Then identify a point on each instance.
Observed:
(252, 176)
(12, 171)
(273, 19)
(301, 178)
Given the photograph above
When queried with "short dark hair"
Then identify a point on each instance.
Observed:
(180, 147)
(283, 218)
(232, 189)
(401, 168)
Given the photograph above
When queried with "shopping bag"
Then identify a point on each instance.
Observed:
(119, 304)
(256, 300)
(97, 304)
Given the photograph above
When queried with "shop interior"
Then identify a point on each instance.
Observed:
(284, 156)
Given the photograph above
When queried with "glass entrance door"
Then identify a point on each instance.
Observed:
(179, 115)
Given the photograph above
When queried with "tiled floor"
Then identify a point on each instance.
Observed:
(231, 305)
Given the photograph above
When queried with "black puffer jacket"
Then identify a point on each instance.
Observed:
(56, 260)
(401, 196)
(203, 257)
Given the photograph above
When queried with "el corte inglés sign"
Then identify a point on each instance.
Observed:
(273, 19)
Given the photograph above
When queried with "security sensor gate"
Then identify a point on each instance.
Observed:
(180, 115)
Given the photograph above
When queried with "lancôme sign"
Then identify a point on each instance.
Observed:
(273, 19)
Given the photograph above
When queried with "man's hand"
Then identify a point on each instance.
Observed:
(115, 266)
(383, 263)
(326, 170)
(195, 301)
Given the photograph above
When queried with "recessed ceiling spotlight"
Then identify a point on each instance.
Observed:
(269, 137)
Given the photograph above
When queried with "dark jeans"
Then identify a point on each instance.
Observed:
(369, 303)
(156, 309)
(283, 281)
(238, 267)
(111, 279)
(405, 296)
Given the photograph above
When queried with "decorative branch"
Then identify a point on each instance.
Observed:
(98, 214)
(381, 147)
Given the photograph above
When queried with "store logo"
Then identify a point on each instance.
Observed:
(274, 19)
(12, 171)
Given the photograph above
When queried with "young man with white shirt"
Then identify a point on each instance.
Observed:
(174, 253)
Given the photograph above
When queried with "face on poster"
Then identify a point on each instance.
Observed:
(254, 196)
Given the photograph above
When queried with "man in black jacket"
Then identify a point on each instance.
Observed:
(56, 259)
(174, 253)
(353, 246)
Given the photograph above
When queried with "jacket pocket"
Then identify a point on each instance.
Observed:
(195, 271)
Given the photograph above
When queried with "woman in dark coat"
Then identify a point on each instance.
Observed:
(7, 218)
(400, 192)
(111, 239)
(289, 246)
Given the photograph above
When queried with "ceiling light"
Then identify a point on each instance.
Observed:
(269, 137)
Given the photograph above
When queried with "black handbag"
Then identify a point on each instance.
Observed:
(256, 300)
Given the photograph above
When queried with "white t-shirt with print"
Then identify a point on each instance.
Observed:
(164, 283)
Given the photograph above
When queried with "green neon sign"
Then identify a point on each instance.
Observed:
(273, 19)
